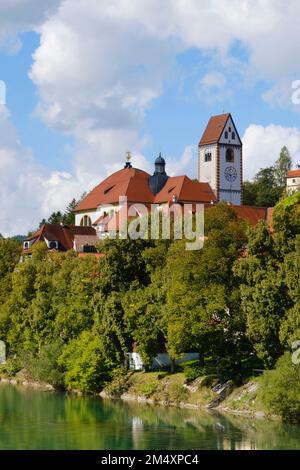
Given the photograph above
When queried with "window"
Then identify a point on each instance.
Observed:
(108, 189)
(229, 128)
(226, 135)
(233, 136)
(207, 157)
(86, 221)
(229, 156)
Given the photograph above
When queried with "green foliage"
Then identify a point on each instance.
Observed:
(280, 389)
(192, 370)
(45, 368)
(270, 282)
(85, 363)
(11, 367)
(119, 383)
(269, 183)
(236, 302)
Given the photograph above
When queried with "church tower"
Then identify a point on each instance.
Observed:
(220, 159)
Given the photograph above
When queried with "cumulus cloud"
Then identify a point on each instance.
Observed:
(262, 146)
(101, 65)
(212, 87)
(27, 191)
(18, 16)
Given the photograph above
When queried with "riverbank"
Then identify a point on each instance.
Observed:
(202, 393)
(170, 390)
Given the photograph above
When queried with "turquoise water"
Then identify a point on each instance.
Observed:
(31, 419)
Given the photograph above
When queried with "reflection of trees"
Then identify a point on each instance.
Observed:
(31, 419)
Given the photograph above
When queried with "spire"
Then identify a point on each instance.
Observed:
(128, 160)
(159, 177)
(160, 165)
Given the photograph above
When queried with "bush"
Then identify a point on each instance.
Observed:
(119, 384)
(10, 368)
(45, 367)
(280, 390)
(86, 366)
(148, 388)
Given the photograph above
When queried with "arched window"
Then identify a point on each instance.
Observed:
(226, 135)
(233, 136)
(229, 156)
(86, 221)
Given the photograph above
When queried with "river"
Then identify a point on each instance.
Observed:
(31, 419)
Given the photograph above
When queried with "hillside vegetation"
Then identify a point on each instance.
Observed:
(69, 321)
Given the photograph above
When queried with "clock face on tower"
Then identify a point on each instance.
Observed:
(230, 174)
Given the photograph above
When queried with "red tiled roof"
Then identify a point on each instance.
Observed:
(129, 182)
(64, 234)
(185, 190)
(134, 184)
(214, 129)
(293, 174)
(252, 214)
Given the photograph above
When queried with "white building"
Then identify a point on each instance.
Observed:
(293, 181)
(220, 159)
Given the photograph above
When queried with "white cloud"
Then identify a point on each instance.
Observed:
(262, 146)
(27, 191)
(212, 87)
(18, 16)
(185, 165)
(101, 64)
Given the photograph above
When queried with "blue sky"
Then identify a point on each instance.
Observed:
(175, 119)
(88, 80)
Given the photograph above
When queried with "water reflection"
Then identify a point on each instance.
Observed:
(31, 419)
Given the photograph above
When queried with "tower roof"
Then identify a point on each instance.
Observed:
(214, 129)
(160, 160)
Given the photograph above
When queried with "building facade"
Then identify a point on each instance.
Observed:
(220, 159)
(293, 181)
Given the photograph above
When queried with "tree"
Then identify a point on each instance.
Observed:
(269, 183)
(69, 216)
(85, 362)
(280, 389)
(268, 192)
(269, 277)
(282, 166)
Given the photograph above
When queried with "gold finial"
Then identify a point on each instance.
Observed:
(129, 157)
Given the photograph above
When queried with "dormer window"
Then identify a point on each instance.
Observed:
(52, 245)
(108, 189)
(28, 243)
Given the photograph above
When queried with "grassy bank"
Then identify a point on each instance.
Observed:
(175, 390)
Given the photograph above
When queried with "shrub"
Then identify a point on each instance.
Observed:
(119, 384)
(148, 388)
(11, 367)
(280, 389)
(86, 366)
(45, 367)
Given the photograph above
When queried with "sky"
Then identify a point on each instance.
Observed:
(84, 81)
